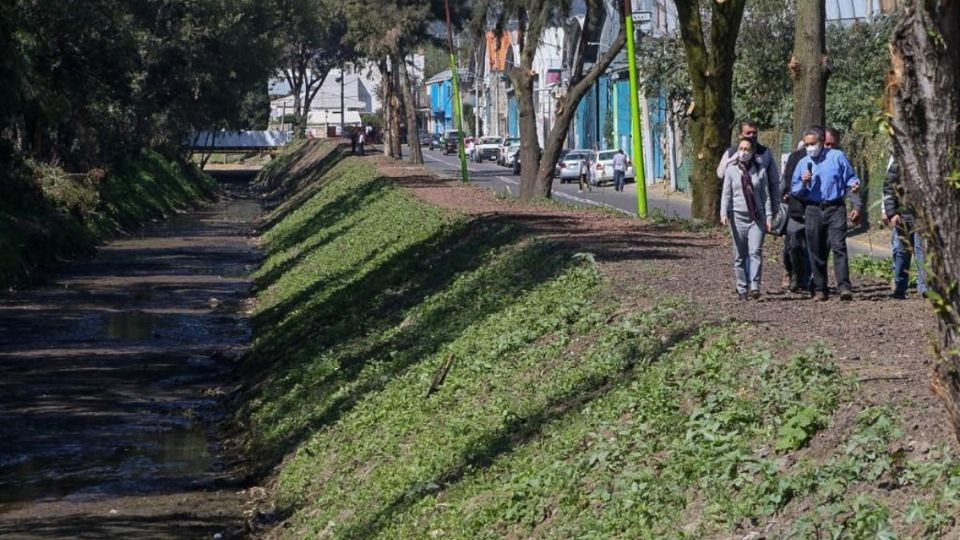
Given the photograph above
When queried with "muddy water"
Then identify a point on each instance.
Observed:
(109, 379)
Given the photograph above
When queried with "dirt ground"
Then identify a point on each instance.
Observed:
(883, 343)
(109, 383)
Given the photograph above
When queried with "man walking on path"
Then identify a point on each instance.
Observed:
(763, 157)
(619, 169)
(823, 179)
(796, 260)
(906, 241)
(362, 138)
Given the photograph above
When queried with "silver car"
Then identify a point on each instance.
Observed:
(601, 163)
(568, 166)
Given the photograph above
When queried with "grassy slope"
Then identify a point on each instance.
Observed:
(58, 218)
(561, 416)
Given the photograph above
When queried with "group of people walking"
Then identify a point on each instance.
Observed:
(808, 207)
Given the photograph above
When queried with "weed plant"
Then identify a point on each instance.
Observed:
(561, 416)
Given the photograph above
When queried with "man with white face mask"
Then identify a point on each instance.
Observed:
(823, 179)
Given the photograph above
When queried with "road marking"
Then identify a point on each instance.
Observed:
(508, 180)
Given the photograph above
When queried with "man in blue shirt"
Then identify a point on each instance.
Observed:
(822, 180)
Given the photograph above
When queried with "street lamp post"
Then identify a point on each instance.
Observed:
(638, 167)
(457, 110)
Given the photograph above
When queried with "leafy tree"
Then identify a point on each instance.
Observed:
(859, 61)
(710, 65)
(532, 18)
(389, 41)
(311, 39)
(924, 101)
(762, 89)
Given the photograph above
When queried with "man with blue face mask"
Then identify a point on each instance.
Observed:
(823, 179)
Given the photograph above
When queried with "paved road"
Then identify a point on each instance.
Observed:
(502, 180)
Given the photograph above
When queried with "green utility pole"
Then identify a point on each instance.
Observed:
(457, 110)
(638, 167)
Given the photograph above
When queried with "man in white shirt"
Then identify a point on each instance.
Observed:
(619, 170)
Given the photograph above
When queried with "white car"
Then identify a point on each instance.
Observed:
(601, 162)
(486, 148)
(512, 152)
(568, 166)
(504, 144)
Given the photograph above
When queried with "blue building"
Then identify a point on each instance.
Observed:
(440, 90)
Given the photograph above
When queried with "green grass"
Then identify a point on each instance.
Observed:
(54, 216)
(563, 414)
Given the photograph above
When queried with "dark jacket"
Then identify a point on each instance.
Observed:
(795, 204)
(893, 194)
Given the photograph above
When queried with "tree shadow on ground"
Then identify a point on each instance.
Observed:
(519, 431)
(377, 301)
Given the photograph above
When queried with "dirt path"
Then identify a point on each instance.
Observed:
(109, 380)
(883, 343)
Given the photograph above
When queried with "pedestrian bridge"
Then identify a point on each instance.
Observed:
(238, 141)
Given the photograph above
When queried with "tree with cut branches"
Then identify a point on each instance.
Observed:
(711, 53)
(533, 17)
(923, 97)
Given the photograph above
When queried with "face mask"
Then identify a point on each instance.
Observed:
(745, 156)
(813, 150)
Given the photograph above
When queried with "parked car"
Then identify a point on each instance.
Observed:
(516, 162)
(511, 154)
(451, 142)
(424, 137)
(602, 166)
(568, 166)
(504, 144)
(487, 148)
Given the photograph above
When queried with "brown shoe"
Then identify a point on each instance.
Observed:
(846, 295)
(755, 294)
(820, 296)
(786, 281)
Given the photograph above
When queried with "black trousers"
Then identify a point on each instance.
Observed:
(796, 258)
(826, 232)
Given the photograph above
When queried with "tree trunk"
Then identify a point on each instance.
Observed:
(808, 67)
(396, 149)
(522, 80)
(538, 181)
(413, 139)
(385, 105)
(924, 102)
(711, 75)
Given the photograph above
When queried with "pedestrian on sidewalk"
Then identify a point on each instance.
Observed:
(823, 179)
(584, 174)
(361, 139)
(619, 170)
(747, 208)
(353, 142)
(906, 241)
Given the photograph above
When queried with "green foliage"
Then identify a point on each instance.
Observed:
(866, 265)
(94, 82)
(68, 215)
(859, 60)
(563, 415)
(762, 87)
